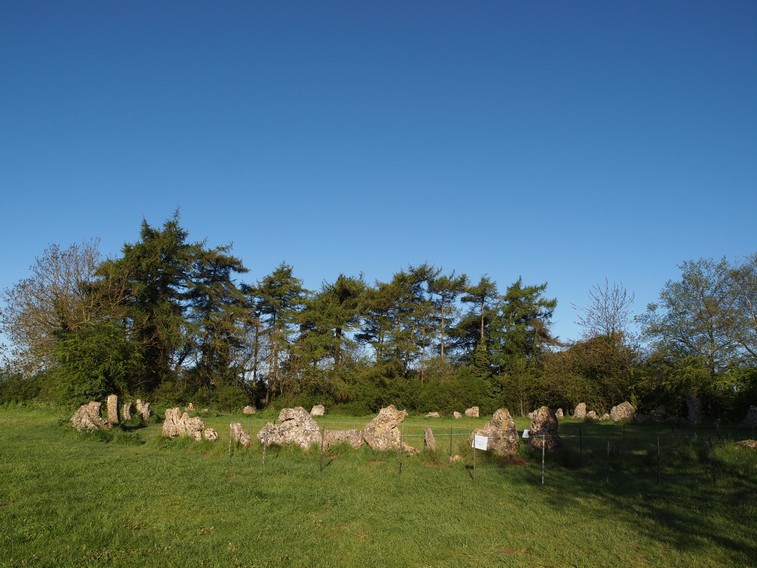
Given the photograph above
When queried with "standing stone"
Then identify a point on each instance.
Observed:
(580, 412)
(353, 438)
(177, 424)
(456, 415)
(248, 410)
(383, 432)
(295, 426)
(591, 415)
(318, 410)
(143, 409)
(502, 434)
(432, 415)
(112, 404)
(751, 417)
(429, 442)
(605, 417)
(543, 427)
(190, 408)
(472, 412)
(127, 412)
(624, 411)
(238, 435)
(210, 434)
(559, 413)
(694, 406)
(88, 418)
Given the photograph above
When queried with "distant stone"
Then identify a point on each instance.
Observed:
(543, 430)
(318, 410)
(455, 459)
(112, 405)
(383, 432)
(190, 408)
(178, 424)
(580, 412)
(88, 418)
(751, 417)
(747, 444)
(591, 415)
(210, 434)
(502, 434)
(429, 442)
(559, 413)
(623, 412)
(659, 413)
(456, 415)
(694, 407)
(238, 435)
(432, 415)
(143, 409)
(605, 417)
(249, 410)
(353, 438)
(295, 426)
(472, 412)
(127, 411)
(641, 418)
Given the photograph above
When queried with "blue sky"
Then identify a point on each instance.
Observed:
(564, 142)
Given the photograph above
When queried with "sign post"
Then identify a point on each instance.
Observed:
(479, 443)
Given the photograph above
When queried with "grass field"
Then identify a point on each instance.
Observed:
(135, 499)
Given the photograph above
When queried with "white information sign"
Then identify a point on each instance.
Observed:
(525, 433)
(480, 442)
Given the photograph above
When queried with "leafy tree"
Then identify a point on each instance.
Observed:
(744, 290)
(52, 300)
(447, 288)
(608, 311)
(471, 330)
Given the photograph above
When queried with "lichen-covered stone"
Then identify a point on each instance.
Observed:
(210, 434)
(580, 411)
(249, 410)
(127, 411)
(543, 430)
(295, 426)
(456, 415)
(353, 438)
(623, 411)
(432, 415)
(429, 442)
(502, 434)
(143, 409)
(112, 405)
(238, 435)
(383, 432)
(178, 424)
(472, 412)
(88, 418)
(318, 410)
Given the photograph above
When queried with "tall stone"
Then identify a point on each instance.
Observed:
(543, 430)
(178, 424)
(238, 435)
(143, 409)
(112, 405)
(694, 407)
(127, 411)
(88, 418)
(383, 432)
(295, 426)
(502, 434)
(559, 413)
(429, 442)
(580, 412)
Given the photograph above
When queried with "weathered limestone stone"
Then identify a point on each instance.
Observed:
(210, 434)
(747, 444)
(624, 411)
(472, 412)
(143, 409)
(112, 405)
(456, 415)
(295, 426)
(605, 417)
(127, 411)
(353, 438)
(238, 435)
(88, 418)
(455, 459)
(543, 430)
(559, 413)
(318, 410)
(751, 417)
(177, 424)
(580, 411)
(432, 415)
(502, 434)
(249, 410)
(383, 432)
(591, 415)
(190, 408)
(429, 442)
(694, 406)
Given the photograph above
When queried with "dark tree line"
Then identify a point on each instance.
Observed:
(169, 320)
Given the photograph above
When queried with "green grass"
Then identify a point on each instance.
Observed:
(134, 499)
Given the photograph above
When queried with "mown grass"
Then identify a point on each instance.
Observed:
(134, 499)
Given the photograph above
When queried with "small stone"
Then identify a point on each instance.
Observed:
(318, 410)
(143, 409)
(210, 434)
(456, 415)
(455, 459)
(238, 435)
(623, 411)
(249, 410)
(432, 415)
(353, 438)
(591, 415)
(580, 411)
(605, 417)
(559, 413)
(127, 411)
(472, 412)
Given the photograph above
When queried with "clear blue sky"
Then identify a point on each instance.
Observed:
(565, 142)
